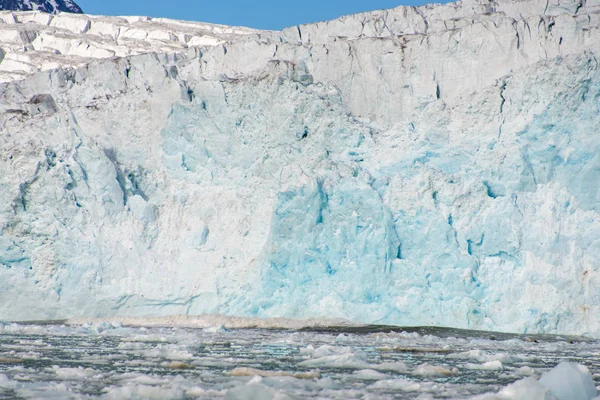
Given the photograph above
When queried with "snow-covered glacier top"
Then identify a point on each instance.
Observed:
(37, 41)
(435, 165)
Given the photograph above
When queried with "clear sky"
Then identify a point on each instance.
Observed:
(262, 14)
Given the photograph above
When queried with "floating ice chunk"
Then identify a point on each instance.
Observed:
(327, 350)
(215, 329)
(490, 365)
(391, 366)
(79, 373)
(525, 389)
(566, 381)
(397, 384)
(434, 370)
(131, 346)
(105, 326)
(569, 381)
(6, 382)
(170, 352)
(342, 337)
(369, 375)
(525, 370)
(177, 365)
(350, 361)
(143, 392)
(482, 356)
(200, 392)
(243, 371)
(257, 391)
(147, 380)
(478, 355)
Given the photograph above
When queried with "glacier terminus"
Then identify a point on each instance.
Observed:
(418, 166)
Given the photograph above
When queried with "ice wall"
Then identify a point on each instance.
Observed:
(416, 166)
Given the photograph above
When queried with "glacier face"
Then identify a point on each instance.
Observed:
(415, 166)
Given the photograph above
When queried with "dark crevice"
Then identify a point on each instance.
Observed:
(111, 155)
(302, 135)
(451, 223)
(490, 192)
(502, 89)
(399, 252)
(73, 184)
(135, 185)
(471, 244)
(50, 159)
(329, 269)
(21, 199)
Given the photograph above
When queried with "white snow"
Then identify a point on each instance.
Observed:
(36, 41)
(415, 166)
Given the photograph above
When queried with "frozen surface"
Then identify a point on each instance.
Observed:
(415, 166)
(37, 41)
(111, 361)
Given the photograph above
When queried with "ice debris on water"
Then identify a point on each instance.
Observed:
(178, 362)
(566, 381)
(569, 381)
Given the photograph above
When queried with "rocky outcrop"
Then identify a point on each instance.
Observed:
(48, 6)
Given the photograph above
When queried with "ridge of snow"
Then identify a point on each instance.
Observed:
(36, 41)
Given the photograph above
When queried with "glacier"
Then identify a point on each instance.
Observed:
(432, 165)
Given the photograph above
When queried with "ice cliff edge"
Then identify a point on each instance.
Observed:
(417, 166)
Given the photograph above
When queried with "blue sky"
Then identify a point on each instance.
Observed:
(265, 14)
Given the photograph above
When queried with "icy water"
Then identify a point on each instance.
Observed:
(110, 361)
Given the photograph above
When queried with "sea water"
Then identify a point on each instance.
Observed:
(109, 360)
